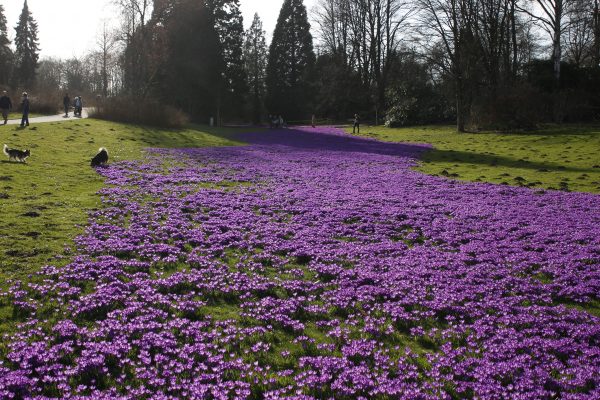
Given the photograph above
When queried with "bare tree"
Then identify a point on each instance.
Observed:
(552, 17)
(135, 35)
(580, 34)
(50, 73)
(106, 44)
(365, 36)
(452, 23)
(596, 27)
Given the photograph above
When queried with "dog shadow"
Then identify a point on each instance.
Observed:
(14, 162)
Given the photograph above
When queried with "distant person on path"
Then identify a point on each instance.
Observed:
(5, 106)
(356, 124)
(78, 106)
(281, 122)
(67, 104)
(313, 121)
(25, 106)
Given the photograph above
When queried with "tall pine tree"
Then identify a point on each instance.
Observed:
(255, 63)
(27, 48)
(191, 68)
(291, 63)
(229, 26)
(5, 51)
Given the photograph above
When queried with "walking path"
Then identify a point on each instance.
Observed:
(50, 118)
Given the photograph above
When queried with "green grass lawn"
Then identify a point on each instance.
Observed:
(45, 202)
(561, 157)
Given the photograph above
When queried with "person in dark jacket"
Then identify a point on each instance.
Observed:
(5, 106)
(25, 106)
(356, 124)
(67, 104)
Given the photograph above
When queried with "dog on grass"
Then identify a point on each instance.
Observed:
(16, 155)
(101, 158)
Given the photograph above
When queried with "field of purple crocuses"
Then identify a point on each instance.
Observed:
(311, 264)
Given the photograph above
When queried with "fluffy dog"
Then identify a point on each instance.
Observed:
(101, 158)
(16, 155)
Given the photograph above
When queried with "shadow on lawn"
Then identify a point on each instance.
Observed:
(332, 141)
(188, 137)
(495, 160)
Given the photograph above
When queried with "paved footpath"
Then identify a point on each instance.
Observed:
(50, 118)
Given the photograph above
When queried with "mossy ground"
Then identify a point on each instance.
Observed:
(554, 157)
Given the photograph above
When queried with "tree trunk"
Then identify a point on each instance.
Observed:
(597, 33)
(460, 106)
(515, 44)
(556, 58)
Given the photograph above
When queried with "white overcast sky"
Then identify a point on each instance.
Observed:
(69, 28)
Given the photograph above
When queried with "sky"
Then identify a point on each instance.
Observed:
(69, 28)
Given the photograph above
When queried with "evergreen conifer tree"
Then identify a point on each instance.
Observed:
(291, 63)
(5, 51)
(255, 62)
(229, 26)
(27, 48)
(191, 67)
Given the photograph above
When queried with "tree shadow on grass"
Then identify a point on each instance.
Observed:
(191, 137)
(495, 160)
(330, 140)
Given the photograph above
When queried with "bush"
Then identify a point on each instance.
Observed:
(509, 109)
(139, 111)
(411, 104)
(44, 104)
(39, 103)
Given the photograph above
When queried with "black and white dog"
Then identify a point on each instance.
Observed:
(101, 158)
(16, 155)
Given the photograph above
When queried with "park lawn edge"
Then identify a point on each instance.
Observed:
(553, 157)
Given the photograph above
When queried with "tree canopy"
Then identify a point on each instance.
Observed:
(27, 48)
(290, 69)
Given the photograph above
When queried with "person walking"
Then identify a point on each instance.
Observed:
(356, 124)
(313, 121)
(25, 106)
(5, 106)
(67, 104)
(77, 104)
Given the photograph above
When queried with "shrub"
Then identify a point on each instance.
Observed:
(139, 111)
(415, 104)
(509, 109)
(44, 103)
(39, 103)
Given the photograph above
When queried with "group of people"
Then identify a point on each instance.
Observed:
(276, 121)
(77, 105)
(6, 106)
